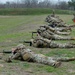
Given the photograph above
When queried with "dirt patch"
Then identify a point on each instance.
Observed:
(71, 70)
(5, 16)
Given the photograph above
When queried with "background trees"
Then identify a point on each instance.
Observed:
(72, 4)
(39, 4)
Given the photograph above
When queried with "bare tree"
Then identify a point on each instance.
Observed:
(62, 5)
(45, 4)
(34, 3)
(2, 5)
(27, 3)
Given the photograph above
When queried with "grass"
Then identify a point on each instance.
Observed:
(32, 11)
(18, 28)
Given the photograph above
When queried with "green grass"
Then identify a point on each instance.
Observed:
(32, 11)
(18, 28)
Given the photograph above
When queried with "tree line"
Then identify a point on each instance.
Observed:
(39, 4)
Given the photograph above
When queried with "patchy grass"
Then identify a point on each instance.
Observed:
(18, 28)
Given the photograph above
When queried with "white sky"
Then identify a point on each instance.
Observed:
(3, 1)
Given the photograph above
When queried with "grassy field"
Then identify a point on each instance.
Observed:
(32, 11)
(18, 28)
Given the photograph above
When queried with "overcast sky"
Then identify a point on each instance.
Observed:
(3, 1)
